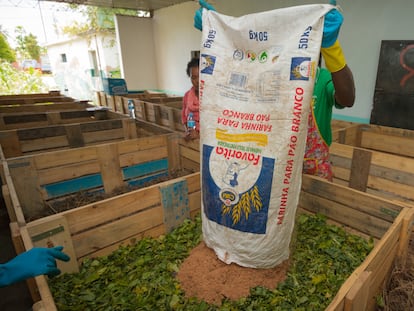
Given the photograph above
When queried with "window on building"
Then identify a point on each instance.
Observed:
(63, 58)
(93, 61)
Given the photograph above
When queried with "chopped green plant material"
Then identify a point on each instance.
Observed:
(142, 276)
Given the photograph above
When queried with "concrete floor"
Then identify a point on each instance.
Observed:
(15, 297)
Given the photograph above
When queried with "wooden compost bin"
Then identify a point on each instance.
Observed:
(15, 143)
(20, 120)
(45, 106)
(117, 102)
(98, 229)
(379, 138)
(383, 174)
(30, 99)
(161, 111)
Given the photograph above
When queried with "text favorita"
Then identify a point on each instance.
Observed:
(296, 120)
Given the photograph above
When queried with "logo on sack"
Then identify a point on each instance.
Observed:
(301, 68)
(207, 63)
(238, 55)
(251, 56)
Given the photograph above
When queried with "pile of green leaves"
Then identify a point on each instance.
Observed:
(142, 277)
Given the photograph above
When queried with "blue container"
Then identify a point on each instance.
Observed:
(113, 86)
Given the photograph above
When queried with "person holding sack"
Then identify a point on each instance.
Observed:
(334, 87)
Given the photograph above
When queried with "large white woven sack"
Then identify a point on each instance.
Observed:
(256, 81)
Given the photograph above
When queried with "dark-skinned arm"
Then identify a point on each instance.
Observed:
(342, 77)
(343, 81)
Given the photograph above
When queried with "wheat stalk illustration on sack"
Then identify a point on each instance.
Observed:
(244, 206)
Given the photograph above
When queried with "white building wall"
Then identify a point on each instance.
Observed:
(366, 24)
(74, 77)
(136, 47)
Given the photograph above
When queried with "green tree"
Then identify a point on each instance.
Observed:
(97, 19)
(27, 45)
(6, 52)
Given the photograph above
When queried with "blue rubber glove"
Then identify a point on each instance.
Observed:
(198, 17)
(331, 27)
(34, 262)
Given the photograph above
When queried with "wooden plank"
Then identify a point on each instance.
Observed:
(44, 144)
(10, 144)
(118, 104)
(20, 248)
(12, 198)
(405, 235)
(173, 152)
(146, 156)
(360, 168)
(110, 102)
(141, 144)
(388, 143)
(390, 188)
(379, 277)
(25, 182)
(74, 135)
(54, 117)
(109, 163)
(9, 204)
(356, 299)
(374, 260)
(43, 108)
(129, 129)
(193, 182)
(191, 154)
(64, 157)
(103, 136)
(41, 282)
(54, 231)
(341, 174)
(94, 214)
(67, 172)
(89, 241)
(154, 232)
(368, 204)
(345, 215)
(194, 202)
(189, 165)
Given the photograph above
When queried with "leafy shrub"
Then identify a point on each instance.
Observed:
(14, 81)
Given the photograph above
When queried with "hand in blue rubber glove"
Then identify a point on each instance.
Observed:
(198, 17)
(332, 24)
(34, 262)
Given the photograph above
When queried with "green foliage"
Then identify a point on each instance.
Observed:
(27, 45)
(13, 81)
(6, 52)
(97, 19)
(142, 277)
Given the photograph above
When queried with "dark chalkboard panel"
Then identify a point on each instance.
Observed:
(394, 89)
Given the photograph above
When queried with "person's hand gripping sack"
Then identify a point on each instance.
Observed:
(198, 17)
(331, 49)
(34, 262)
